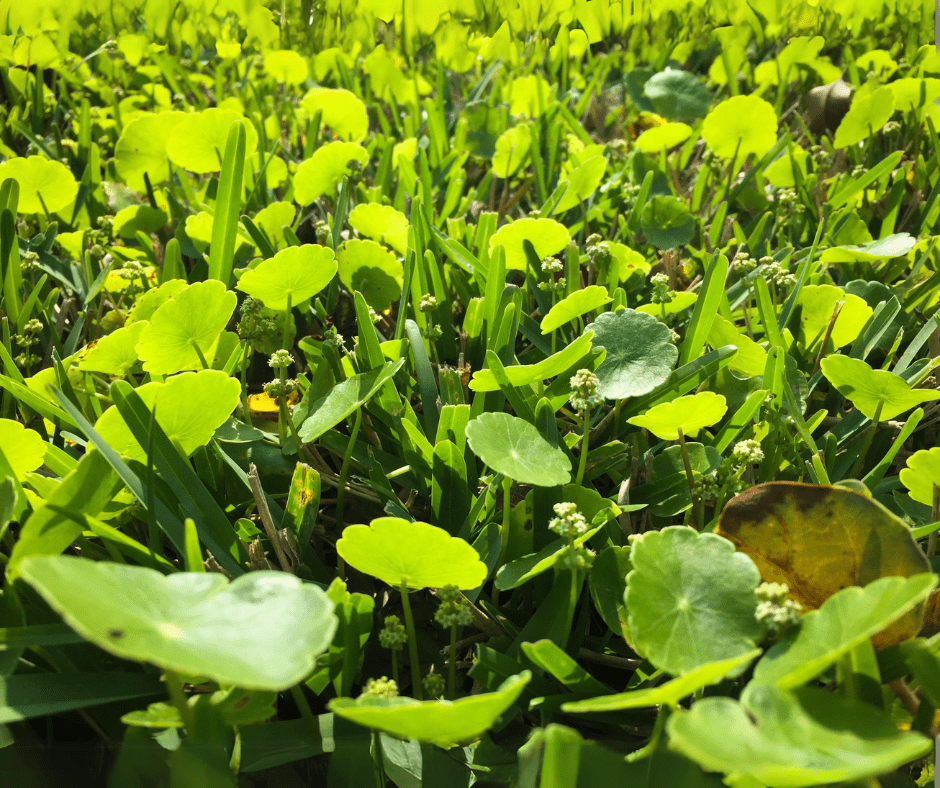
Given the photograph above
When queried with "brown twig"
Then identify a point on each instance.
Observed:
(266, 519)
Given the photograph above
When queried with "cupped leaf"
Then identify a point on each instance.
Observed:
(751, 358)
(689, 414)
(185, 326)
(866, 388)
(921, 473)
(344, 399)
(116, 353)
(189, 407)
(381, 223)
(42, 183)
(546, 235)
(441, 722)
(263, 630)
(667, 222)
(296, 273)
(321, 173)
(660, 138)
(792, 739)
(287, 66)
(372, 270)
(527, 374)
(669, 693)
(149, 302)
(580, 302)
(529, 96)
(342, 112)
(818, 303)
(512, 150)
(420, 555)
(844, 621)
(515, 448)
(896, 245)
(581, 183)
(197, 142)
(866, 115)
(690, 599)
(23, 449)
(677, 95)
(141, 148)
(138, 219)
(640, 354)
(627, 262)
(741, 125)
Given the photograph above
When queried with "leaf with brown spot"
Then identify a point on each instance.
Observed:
(819, 540)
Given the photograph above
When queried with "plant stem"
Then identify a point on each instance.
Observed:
(246, 413)
(452, 665)
(935, 515)
(658, 728)
(412, 642)
(344, 471)
(395, 665)
(202, 357)
(696, 506)
(574, 593)
(377, 758)
(305, 712)
(866, 442)
(585, 440)
(174, 685)
(286, 329)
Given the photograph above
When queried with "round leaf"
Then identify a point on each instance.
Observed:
(690, 414)
(192, 318)
(580, 302)
(372, 270)
(322, 172)
(343, 112)
(818, 303)
(677, 95)
(546, 235)
(381, 223)
(663, 137)
(746, 124)
(751, 358)
(24, 449)
(142, 149)
(819, 540)
(441, 722)
(866, 115)
(691, 599)
(114, 354)
(921, 473)
(264, 630)
(581, 183)
(515, 448)
(287, 66)
(197, 142)
(865, 387)
(189, 408)
(529, 96)
(421, 555)
(41, 182)
(512, 150)
(667, 222)
(896, 245)
(806, 738)
(298, 272)
(639, 356)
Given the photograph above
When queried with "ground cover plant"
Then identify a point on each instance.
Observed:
(469, 393)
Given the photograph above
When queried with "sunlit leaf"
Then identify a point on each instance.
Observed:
(23, 449)
(321, 173)
(741, 125)
(381, 223)
(867, 115)
(546, 235)
(295, 273)
(578, 303)
(866, 388)
(141, 148)
(42, 182)
(513, 447)
(342, 112)
(197, 141)
(372, 270)
(690, 414)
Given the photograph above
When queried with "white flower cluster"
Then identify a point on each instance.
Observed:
(380, 688)
(775, 610)
(570, 523)
(584, 394)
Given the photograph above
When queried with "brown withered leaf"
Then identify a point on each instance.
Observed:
(819, 540)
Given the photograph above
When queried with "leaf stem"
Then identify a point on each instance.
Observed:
(696, 505)
(585, 442)
(866, 442)
(412, 642)
(344, 471)
(202, 357)
(286, 328)
(452, 664)
(174, 685)
(305, 712)
(377, 758)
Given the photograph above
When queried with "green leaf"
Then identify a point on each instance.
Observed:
(516, 449)
(896, 245)
(805, 738)
(263, 630)
(818, 303)
(526, 375)
(581, 183)
(844, 621)
(580, 302)
(441, 722)
(138, 218)
(920, 474)
(516, 573)
(662, 138)
(512, 150)
(866, 115)
(751, 358)
(227, 204)
(295, 274)
(149, 302)
(547, 236)
(141, 148)
(198, 140)
(115, 353)
(640, 355)
(343, 112)
(690, 414)
(553, 660)
(372, 270)
(344, 399)
(667, 222)
(691, 599)
(419, 554)
(742, 124)
(40, 694)
(381, 223)
(287, 66)
(41, 181)
(24, 449)
(321, 173)
(677, 95)
(189, 407)
(668, 693)
(865, 387)
(194, 317)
